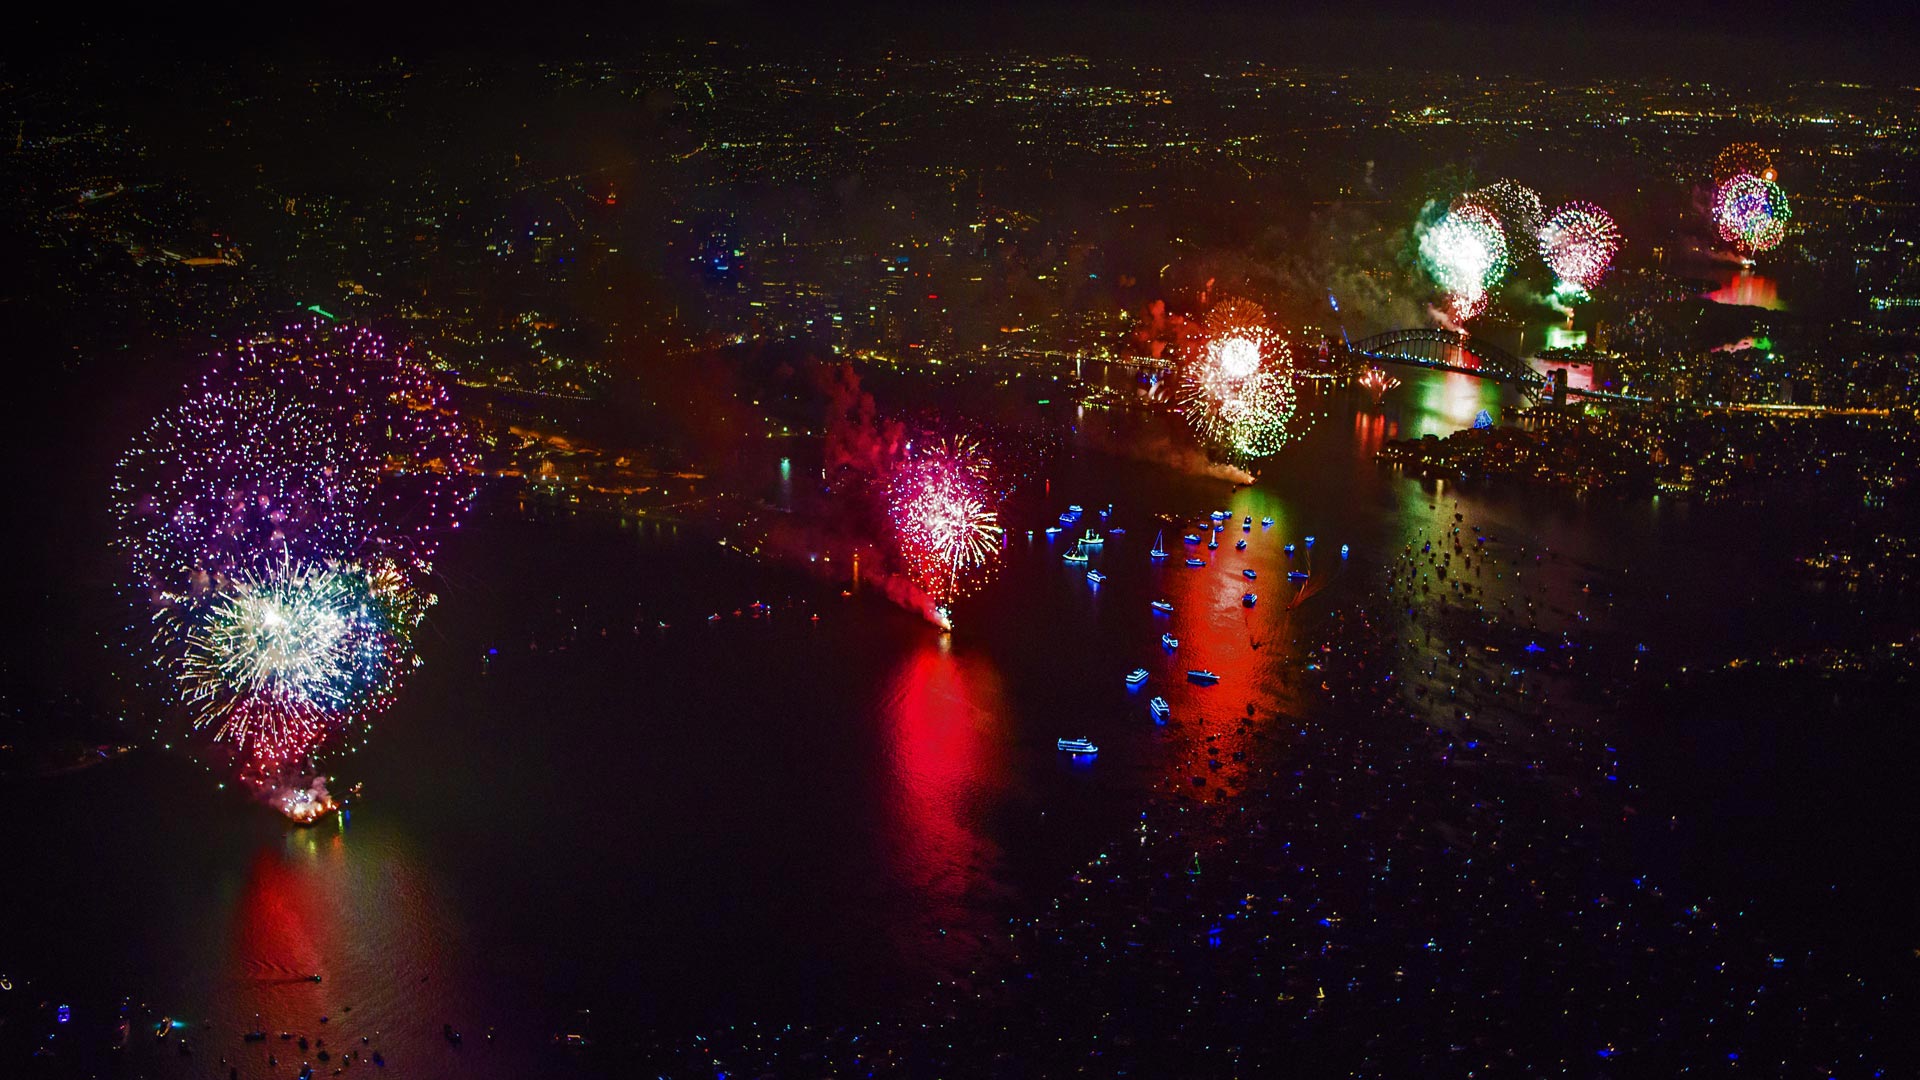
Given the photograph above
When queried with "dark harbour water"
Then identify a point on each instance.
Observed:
(786, 819)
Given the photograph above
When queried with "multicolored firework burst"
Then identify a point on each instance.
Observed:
(1742, 159)
(277, 662)
(279, 525)
(1751, 213)
(1465, 253)
(1578, 243)
(940, 502)
(1516, 206)
(1237, 388)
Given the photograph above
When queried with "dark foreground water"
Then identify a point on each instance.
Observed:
(782, 818)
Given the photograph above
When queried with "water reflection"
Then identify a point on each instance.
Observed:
(943, 719)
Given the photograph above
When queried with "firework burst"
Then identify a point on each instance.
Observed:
(1742, 159)
(1377, 382)
(1465, 253)
(1237, 388)
(940, 503)
(1516, 206)
(278, 526)
(1751, 213)
(1578, 243)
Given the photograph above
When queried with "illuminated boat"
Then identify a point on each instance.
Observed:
(1053, 531)
(1158, 707)
(1169, 641)
(1343, 551)
(1196, 562)
(1247, 521)
(1096, 576)
(1092, 539)
(1296, 575)
(1309, 541)
(1163, 605)
(1116, 532)
(1219, 515)
(1136, 676)
(1077, 746)
(1213, 545)
(1266, 522)
(1191, 539)
(1076, 509)
(1249, 574)
(1159, 545)
(1075, 556)
(1240, 545)
(713, 618)
(1202, 676)
(1249, 599)
(1067, 519)
(1289, 549)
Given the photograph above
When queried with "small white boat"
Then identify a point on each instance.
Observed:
(1309, 541)
(1219, 514)
(1296, 575)
(1266, 522)
(1136, 676)
(1248, 520)
(1159, 545)
(1096, 576)
(1289, 549)
(1241, 546)
(1191, 539)
(1077, 746)
(1201, 675)
(1053, 531)
(1213, 545)
(1169, 641)
(1163, 605)
(1249, 599)
(1196, 562)
(1158, 707)
(1076, 509)
(1248, 574)
(1343, 551)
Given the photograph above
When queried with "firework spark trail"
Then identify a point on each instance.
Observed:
(1518, 209)
(1742, 159)
(1578, 243)
(1238, 387)
(1465, 253)
(1751, 213)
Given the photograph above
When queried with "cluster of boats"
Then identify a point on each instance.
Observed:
(1138, 677)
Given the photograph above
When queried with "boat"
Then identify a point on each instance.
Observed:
(1246, 528)
(1092, 539)
(1196, 562)
(713, 618)
(1249, 574)
(1191, 539)
(1075, 556)
(1248, 520)
(1077, 746)
(1218, 528)
(1289, 549)
(1296, 575)
(1163, 605)
(1096, 576)
(1053, 531)
(1213, 545)
(1343, 551)
(1249, 599)
(1309, 541)
(1158, 707)
(1136, 676)
(1219, 514)
(1240, 546)
(1159, 545)
(1076, 509)
(1266, 522)
(1202, 675)
(1116, 532)
(1067, 519)
(1169, 641)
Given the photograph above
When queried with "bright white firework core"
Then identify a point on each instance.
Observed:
(1237, 357)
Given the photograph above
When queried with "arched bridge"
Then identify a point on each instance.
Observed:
(1450, 350)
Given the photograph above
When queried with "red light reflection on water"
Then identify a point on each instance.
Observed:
(945, 716)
